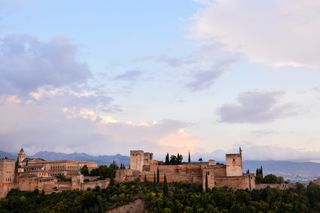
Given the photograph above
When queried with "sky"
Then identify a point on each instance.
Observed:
(105, 77)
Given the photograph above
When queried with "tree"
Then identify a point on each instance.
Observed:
(165, 186)
(272, 179)
(145, 179)
(189, 158)
(173, 160)
(207, 186)
(154, 178)
(179, 158)
(84, 170)
(167, 161)
(200, 160)
(158, 175)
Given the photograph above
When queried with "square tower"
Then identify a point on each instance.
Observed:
(7, 170)
(234, 164)
(136, 159)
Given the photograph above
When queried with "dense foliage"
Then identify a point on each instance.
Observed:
(184, 199)
(103, 171)
(97, 200)
(268, 179)
(173, 159)
(168, 198)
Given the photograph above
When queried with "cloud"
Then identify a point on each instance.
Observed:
(180, 142)
(205, 79)
(265, 152)
(255, 107)
(27, 64)
(275, 32)
(130, 75)
(46, 126)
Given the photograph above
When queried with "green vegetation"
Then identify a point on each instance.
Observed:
(63, 178)
(165, 197)
(103, 171)
(84, 170)
(268, 179)
(173, 160)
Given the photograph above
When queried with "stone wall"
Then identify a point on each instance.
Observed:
(137, 206)
(239, 182)
(282, 186)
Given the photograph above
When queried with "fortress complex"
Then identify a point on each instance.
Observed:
(212, 174)
(28, 174)
(38, 167)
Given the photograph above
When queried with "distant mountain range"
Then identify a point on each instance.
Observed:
(295, 171)
(8, 155)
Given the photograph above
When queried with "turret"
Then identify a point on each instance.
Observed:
(21, 156)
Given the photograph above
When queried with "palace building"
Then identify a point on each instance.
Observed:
(208, 174)
(28, 174)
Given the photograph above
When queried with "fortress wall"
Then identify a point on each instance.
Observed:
(236, 182)
(220, 170)
(31, 183)
(177, 169)
(91, 185)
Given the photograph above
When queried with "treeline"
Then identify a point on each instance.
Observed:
(175, 159)
(189, 199)
(164, 197)
(91, 201)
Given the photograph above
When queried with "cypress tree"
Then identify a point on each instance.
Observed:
(189, 158)
(165, 186)
(167, 161)
(145, 179)
(158, 175)
(154, 178)
(207, 182)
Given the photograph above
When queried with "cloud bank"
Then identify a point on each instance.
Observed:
(275, 32)
(27, 64)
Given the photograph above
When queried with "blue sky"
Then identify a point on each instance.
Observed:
(109, 76)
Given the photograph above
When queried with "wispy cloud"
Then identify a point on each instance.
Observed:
(205, 79)
(255, 107)
(130, 75)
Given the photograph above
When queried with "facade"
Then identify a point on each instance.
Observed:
(7, 176)
(204, 173)
(28, 174)
(39, 167)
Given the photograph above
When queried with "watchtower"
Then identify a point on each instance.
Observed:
(234, 164)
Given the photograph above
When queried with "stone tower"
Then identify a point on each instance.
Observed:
(21, 156)
(136, 159)
(234, 164)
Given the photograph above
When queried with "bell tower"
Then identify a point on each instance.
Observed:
(21, 156)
